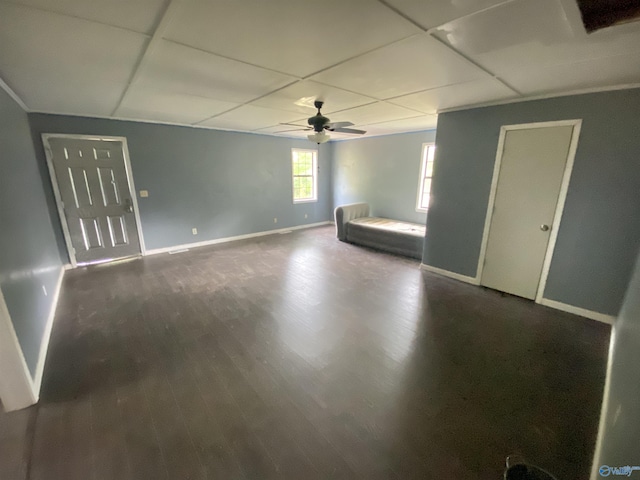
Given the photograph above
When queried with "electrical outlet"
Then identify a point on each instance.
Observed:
(44, 290)
(144, 193)
(275, 220)
(194, 231)
(305, 215)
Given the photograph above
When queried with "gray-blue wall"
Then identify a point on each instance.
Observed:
(621, 427)
(600, 231)
(383, 171)
(222, 183)
(29, 256)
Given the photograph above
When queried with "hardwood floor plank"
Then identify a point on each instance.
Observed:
(15, 442)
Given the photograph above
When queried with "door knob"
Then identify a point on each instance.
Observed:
(128, 206)
(544, 227)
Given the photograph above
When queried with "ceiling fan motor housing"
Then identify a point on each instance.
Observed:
(318, 122)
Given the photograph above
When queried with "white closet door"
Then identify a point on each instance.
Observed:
(531, 172)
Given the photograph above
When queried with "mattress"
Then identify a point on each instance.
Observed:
(402, 238)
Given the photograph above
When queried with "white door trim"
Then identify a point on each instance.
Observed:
(16, 387)
(58, 196)
(573, 147)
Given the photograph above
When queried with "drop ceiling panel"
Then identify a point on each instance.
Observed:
(376, 112)
(424, 122)
(292, 36)
(181, 69)
(408, 66)
(138, 15)
(478, 91)
(543, 33)
(170, 107)
(622, 69)
(433, 13)
(299, 98)
(249, 117)
(61, 64)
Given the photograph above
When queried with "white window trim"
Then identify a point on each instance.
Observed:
(423, 167)
(315, 176)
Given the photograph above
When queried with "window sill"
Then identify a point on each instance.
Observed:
(314, 200)
(422, 210)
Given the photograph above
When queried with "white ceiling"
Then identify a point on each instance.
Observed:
(388, 66)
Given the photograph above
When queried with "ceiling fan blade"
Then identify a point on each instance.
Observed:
(334, 125)
(348, 130)
(293, 130)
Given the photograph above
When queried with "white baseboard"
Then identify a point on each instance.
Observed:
(187, 246)
(16, 388)
(44, 344)
(583, 312)
(447, 273)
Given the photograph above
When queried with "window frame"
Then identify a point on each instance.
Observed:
(314, 175)
(424, 160)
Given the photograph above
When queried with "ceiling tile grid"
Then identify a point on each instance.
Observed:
(422, 122)
(401, 68)
(432, 14)
(51, 70)
(179, 69)
(137, 15)
(171, 107)
(373, 113)
(387, 65)
(291, 36)
(451, 96)
(300, 96)
(250, 117)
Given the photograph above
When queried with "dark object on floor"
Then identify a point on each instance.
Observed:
(520, 470)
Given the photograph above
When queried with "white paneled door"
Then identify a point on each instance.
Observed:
(531, 167)
(94, 196)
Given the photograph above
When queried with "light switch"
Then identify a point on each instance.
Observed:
(144, 193)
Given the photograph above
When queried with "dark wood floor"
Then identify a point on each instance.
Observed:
(297, 356)
(16, 430)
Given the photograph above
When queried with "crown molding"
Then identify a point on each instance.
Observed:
(545, 96)
(13, 95)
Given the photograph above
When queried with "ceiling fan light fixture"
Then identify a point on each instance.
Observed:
(319, 137)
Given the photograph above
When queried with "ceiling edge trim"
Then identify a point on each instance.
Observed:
(13, 95)
(544, 96)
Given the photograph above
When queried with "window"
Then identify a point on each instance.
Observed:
(304, 165)
(426, 172)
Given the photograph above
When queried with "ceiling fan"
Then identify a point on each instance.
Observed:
(319, 123)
